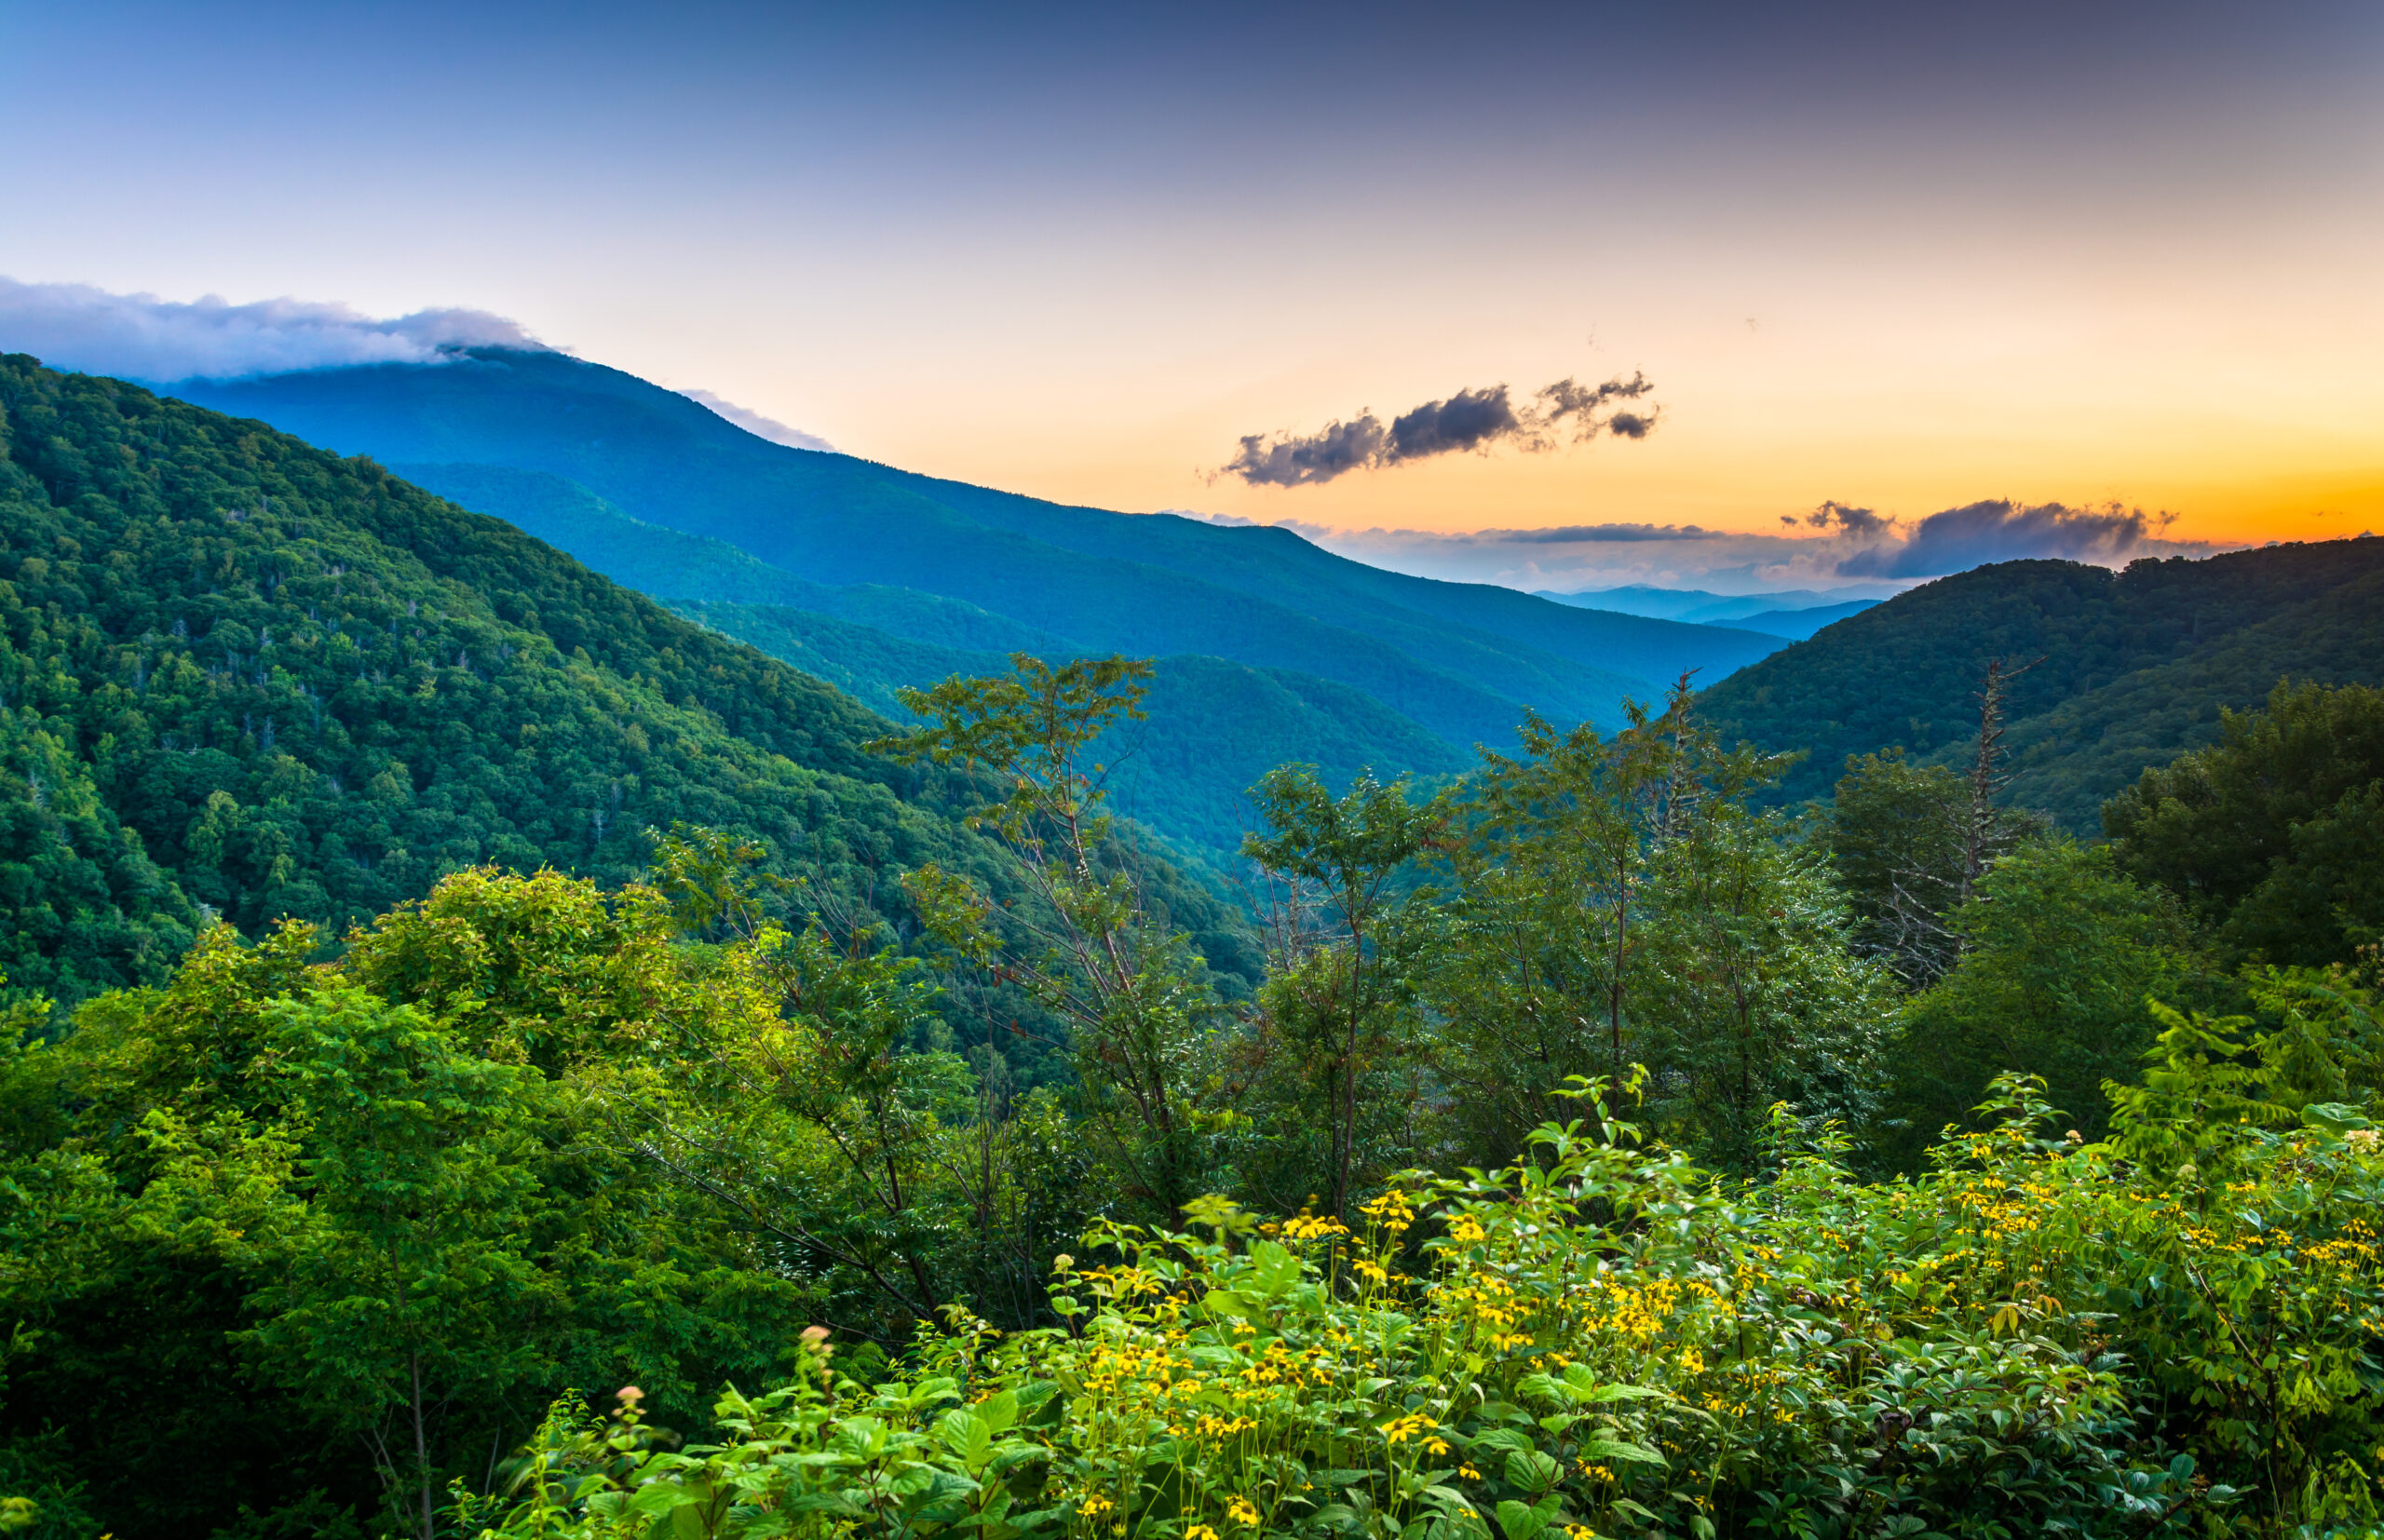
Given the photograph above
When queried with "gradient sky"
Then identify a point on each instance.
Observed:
(1904, 256)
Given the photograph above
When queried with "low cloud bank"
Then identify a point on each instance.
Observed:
(760, 427)
(1835, 546)
(1471, 420)
(1998, 530)
(75, 327)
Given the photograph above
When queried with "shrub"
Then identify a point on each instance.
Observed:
(2039, 1336)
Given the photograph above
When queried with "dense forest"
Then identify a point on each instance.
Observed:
(245, 677)
(2130, 668)
(858, 1132)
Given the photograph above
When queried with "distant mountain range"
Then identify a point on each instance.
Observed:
(1793, 613)
(2127, 668)
(1273, 650)
(661, 493)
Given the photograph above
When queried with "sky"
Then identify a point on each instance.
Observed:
(1352, 268)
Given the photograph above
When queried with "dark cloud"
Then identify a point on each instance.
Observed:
(1284, 462)
(1475, 420)
(1842, 517)
(1471, 419)
(1999, 530)
(1567, 397)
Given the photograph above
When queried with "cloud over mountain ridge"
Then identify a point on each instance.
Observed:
(141, 337)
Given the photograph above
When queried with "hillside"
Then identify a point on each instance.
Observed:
(2137, 665)
(1460, 659)
(1213, 727)
(1219, 725)
(245, 676)
(1797, 624)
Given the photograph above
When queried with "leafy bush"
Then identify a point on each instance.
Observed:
(2040, 1336)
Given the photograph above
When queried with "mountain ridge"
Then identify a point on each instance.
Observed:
(2121, 670)
(1466, 663)
(243, 676)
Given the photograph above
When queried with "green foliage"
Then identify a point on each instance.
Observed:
(2275, 834)
(399, 1204)
(1609, 1341)
(2137, 665)
(243, 677)
(1094, 950)
(1900, 837)
(408, 1279)
(2059, 952)
(1619, 903)
(1336, 1013)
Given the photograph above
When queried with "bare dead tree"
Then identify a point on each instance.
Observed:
(1918, 937)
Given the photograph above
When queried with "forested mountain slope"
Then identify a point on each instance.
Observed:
(1212, 727)
(2136, 665)
(1461, 659)
(242, 674)
(1215, 726)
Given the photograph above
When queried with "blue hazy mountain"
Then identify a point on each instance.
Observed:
(1700, 607)
(1461, 660)
(1796, 625)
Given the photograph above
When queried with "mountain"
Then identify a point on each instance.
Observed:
(1218, 725)
(1212, 728)
(1700, 607)
(1796, 625)
(1460, 661)
(2129, 669)
(242, 676)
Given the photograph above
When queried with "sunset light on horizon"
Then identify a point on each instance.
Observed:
(1903, 261)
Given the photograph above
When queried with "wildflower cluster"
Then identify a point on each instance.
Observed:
(2039, 1336)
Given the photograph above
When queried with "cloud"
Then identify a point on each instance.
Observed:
(1587, 534)
(1568, 558)
(1856, 551)
(1566, 398)
(1471, 420)
(760, 427)
(141, 337)
(1861, 523)
(1998, 530)
(1300, 461)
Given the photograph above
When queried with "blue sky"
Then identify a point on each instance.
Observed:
(1899, 257)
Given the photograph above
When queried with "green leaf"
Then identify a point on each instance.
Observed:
(1609, 1449)
(1531, 1470)
(1276, 1268)
(965, 1433)
(1519, 1522)
(1226, 1302)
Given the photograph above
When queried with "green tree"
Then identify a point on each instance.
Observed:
(1616, 902)
(1895, 838)
(408, 1288)
(1912, 842)
(1335, 1008)
(1136, 999)
(2060, 952)
(2273, 834)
